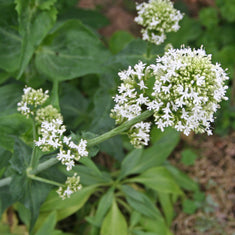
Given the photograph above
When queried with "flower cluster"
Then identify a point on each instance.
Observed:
(157, 17)
(131, 101)
(71, 186)
(31, 99)
(139, 134)
(52, 138)
(51, 133)
(47, 113)
(50, 128)
(183, 89)
(71, 152)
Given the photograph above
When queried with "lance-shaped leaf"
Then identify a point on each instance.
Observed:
(114, 223)
(141, 203)
(36, 18)
(159, 179)
(140, 160)
(71, 50)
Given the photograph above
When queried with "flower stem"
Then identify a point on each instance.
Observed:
(52, 161)
(34, 177)
(116, 131)
(55, 95)
(5, 181)
(45, 165)
(35, 154)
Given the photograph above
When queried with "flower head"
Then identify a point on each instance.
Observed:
(47, 113)
(188, 87)
(183, 88)
(71, 186)
(157, 17)
(51, 135)
(139, 134)
(31, 99)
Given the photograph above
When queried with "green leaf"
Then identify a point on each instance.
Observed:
(103, 206)
(140, 202)
(91, 18)
(134, 51)
(23, 213)
(101, 120)
(6, 199)
(89, 176)
(10, 43)
(66, 207)
(119, 40)
(48, 226)
(114, 222)
(71, 51)
(189, 206)
(141, 160)
(12, 94)
(90, 164)
(227, 9)
(209, 17)
(159, 179)
(188, 157)
(73, 106)
(5, 156)
(21, 156)
(30, 193)
(10, 40)
(36, 18)
(10, 126)
(134, 218)
(167, 206)
(182, 179)
(156, 226)
(189, 31)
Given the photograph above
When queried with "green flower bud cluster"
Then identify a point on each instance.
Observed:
(183, 89)
(157, 17)
(71, 186)
(47, 113)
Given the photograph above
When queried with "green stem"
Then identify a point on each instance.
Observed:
(55, 95)
(34, 177)
(116, 131)
(45, 165)
(35, 155)
(5, 181)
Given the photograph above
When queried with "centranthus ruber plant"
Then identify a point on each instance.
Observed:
(73, 137)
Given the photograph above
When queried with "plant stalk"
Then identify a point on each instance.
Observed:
(34, 177)
(97, 140)
(116, 131)
(55, 95)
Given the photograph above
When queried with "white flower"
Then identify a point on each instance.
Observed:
(71, 186)
(185, 95)
(157, 17)
(30, 100)
(139, 134)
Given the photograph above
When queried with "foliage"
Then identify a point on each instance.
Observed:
(53, 45)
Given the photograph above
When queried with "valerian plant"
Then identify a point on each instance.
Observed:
(47, 171)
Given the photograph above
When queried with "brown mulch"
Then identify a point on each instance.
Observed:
(214, 170)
